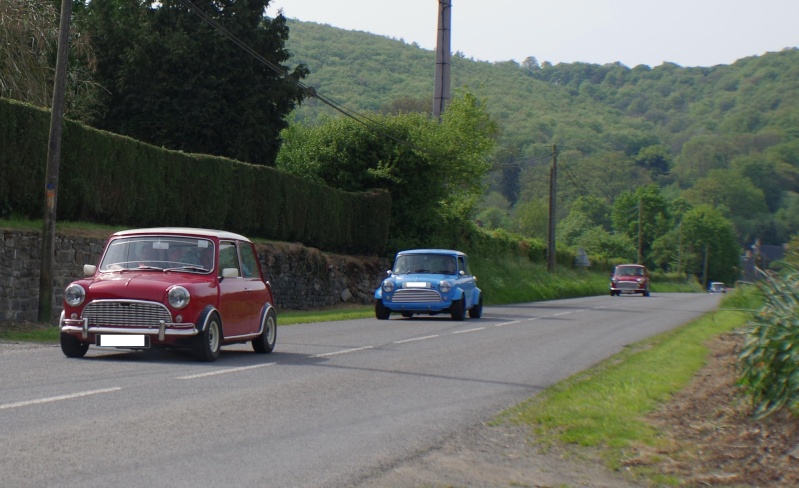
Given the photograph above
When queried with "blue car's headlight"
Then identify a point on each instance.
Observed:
(444, 286)
(388, 286)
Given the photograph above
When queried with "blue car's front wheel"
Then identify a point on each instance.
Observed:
(381, 312)
(458, 310)
(477, 311)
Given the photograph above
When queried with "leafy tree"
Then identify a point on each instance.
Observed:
(405, 105)
(735, 196)
(493, 218)
(765, 176)
(175, 81)
(701, 155)
(28, 45)
(606, 175)
(603, 244)
(434, 171)
(584, 215)
(787, 216)
(655, 160)
(531, 218)
(707, 235)
(642, 214)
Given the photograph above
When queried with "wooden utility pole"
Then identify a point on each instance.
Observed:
(553, 183)
(679, 250)
(640, 231)
(443, 58)
(53, 162)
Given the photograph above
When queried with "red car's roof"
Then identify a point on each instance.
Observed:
(220, 234)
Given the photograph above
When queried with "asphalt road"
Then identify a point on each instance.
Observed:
(336, 403)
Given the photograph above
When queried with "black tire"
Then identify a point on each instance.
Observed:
(646, 292)
(72, 347)
(208, 344)
(612, 293)
(381, 312)
(477, 311)
(265, 343)
(458, 310)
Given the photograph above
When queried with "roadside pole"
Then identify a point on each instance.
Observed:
(53, 162)
(553, 183)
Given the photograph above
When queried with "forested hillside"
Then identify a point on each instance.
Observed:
(726, 136)
(679, 168)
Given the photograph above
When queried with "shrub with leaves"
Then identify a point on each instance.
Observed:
(769, 359)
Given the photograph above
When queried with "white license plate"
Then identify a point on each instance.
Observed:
(416, 284)
(124, 340)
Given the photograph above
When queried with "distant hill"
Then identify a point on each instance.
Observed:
(741, 118)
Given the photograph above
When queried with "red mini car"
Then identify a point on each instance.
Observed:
(629, 278)
(171, 287)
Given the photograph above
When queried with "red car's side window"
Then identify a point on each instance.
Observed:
(228, 257)
(249, 262)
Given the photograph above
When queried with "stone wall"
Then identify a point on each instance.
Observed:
(302, 278)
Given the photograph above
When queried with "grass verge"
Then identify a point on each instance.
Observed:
(605, 406)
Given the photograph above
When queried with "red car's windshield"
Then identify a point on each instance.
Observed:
(158, 253)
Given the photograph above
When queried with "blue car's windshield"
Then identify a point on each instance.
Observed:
(425, 263)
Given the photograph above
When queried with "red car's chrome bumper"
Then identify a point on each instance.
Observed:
(81, 326)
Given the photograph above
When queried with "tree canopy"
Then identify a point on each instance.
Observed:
(173, 80)
(28, 45)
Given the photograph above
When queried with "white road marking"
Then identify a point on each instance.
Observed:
(507, 323)
(468, 330)
(58, 398)
(415, 339)
(222, 371)
(345, 351)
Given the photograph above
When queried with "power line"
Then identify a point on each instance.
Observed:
(283, 73)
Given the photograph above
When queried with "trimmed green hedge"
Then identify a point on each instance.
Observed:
(111, 179)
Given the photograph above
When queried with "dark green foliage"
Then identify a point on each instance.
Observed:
(173, 80)
(110, 179)
(23, 139)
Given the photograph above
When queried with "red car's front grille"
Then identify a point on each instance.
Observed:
(126, 313)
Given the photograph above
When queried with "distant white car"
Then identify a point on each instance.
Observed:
(717, 287)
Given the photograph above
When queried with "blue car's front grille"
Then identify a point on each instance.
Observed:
(411, 295)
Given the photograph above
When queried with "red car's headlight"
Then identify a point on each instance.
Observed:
(74, 295)
(178, 297)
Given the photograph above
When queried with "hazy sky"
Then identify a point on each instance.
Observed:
(685, 32)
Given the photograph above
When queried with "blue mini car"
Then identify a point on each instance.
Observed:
(430, 282)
